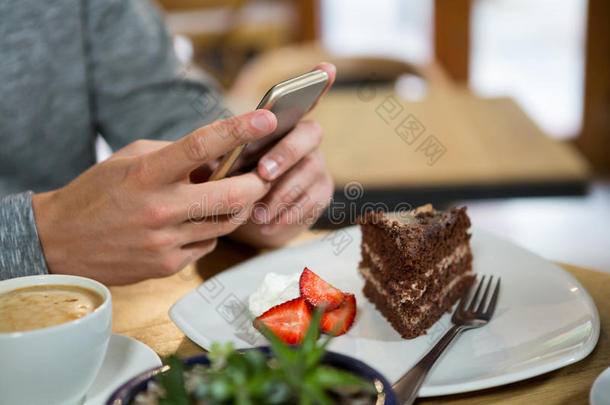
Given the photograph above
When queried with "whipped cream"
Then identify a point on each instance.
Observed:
(275, 289)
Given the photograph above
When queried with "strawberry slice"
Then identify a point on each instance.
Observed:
(340, 320)
(318, 292)
(289, 320)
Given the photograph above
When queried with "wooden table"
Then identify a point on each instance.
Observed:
(450, 145)
(140, 311)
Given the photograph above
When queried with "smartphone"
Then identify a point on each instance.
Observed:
(289, 101)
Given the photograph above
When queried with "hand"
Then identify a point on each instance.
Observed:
(131, 217)
(302, 186)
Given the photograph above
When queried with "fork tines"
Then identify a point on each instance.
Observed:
(483, 308)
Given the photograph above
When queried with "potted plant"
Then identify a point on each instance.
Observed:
(278, 374)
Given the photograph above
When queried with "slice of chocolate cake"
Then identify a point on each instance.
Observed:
(415, 264)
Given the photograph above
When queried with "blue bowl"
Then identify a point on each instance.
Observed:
(127, 392)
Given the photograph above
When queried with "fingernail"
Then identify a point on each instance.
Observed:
(259, 214)
(261, 122)
(270, 167)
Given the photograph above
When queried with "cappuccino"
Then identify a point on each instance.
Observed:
(43, 306)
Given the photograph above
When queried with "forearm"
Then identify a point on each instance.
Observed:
(20, 250)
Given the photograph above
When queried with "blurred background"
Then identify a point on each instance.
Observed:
(503, 105)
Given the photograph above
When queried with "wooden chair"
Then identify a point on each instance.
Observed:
(225, 33)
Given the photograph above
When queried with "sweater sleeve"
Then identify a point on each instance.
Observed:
(20, 249)
(137, 86)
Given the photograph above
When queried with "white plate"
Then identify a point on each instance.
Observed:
(600, 392)
(544, 318)
(126, 358)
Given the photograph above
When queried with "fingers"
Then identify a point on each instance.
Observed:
(302, 140)
(184, 256)
(184, 202)
(198, 249)
(208, 228)
(175, 161)
(140, 147)
(290, 187)
(305, 210)
(230, 196)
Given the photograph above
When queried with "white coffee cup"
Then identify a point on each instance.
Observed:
(54, 365)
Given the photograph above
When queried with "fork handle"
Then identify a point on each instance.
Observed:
(407, 387)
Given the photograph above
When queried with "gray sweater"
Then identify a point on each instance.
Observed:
(70, 69)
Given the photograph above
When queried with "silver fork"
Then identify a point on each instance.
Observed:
(464, 318)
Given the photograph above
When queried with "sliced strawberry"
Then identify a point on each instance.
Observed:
(318, 292)
(289, 320)
(339, 321)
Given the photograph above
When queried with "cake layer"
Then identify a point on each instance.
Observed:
(411, 319)
(433, 280)
(409, 248)
(437, 271)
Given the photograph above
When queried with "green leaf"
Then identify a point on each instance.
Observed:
(316, 354)
(312, 334)
(315, 393)
(257, 361)
(242, 396)
(279, 393)
(327, 377)
(172, 382)
(282, 352)
(219, 354)
(237, 368)
(305, 398)
(221, 389)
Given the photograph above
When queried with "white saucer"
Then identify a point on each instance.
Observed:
(126, 358)
(600, 392)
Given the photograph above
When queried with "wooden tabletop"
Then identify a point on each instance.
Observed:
(140, 311)
(449, 144)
